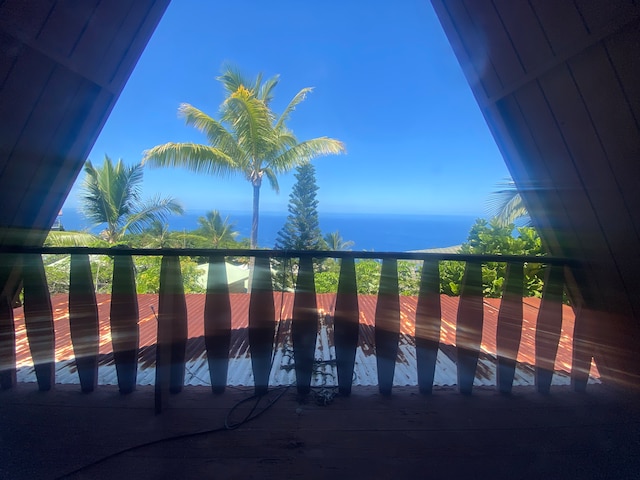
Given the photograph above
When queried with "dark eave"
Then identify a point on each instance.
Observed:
(558, 85)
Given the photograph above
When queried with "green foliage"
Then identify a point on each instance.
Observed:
(56, 268)
(102, 272)
(218, 232)
(327, 281)
(409, 274)
(484, 238)
(148, 275)
(111, 196)
(334, 241)
(493, 238)
(301, 231)
(368, 277)
(62, 238)
(506, 205)
(249, 139)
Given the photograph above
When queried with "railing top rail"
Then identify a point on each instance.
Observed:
(205, 252)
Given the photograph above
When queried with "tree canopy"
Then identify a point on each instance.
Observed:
(249, 139)
(301, 231)
(111, 195)
(217, 230)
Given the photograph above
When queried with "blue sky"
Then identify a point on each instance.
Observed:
(386, 83)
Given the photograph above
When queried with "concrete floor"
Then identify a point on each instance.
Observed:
(49, 435)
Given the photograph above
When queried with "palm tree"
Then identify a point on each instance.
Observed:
(249, 139)
(111, 195)
(216, 229)
(157, 235)
(506, 205)
(56, 238)
(335, 242)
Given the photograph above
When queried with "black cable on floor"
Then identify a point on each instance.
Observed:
(252, 415)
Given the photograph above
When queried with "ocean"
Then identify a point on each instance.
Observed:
(373, 232)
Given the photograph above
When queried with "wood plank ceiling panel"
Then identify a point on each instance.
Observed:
(25, 19)
(615, 125)
(134, 37)
(477, 66)
(525, 33)
(92, 48)
(579, 239)
(509, 66)
(551, 154)
(561, 22)
(588, 158)
(63, 64)
(64, 26)
(597, 14)
(47, 181)
(12, 49)
(18, 98)
(549, 211)
(622, 50)
(88, 107)
(28, 172)
(566, 120)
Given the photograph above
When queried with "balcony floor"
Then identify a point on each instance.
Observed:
(526, 435)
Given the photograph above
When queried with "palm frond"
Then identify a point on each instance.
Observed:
(232, 79)
(217, 135)
(272, 179)
(92, 201)
(70, 239)
(265, 91)
(155, 210)
(252, 121)
(335, 241)
(216, 229)
(305, 152)
(286, 139)
(192, 156)
(109, 191)
(299, 98)
(125, 188)
(506, 205)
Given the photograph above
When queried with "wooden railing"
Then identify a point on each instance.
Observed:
(172, 319)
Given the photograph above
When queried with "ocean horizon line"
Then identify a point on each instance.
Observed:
(377, 232)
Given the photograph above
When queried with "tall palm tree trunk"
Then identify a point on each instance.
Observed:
(256, 216)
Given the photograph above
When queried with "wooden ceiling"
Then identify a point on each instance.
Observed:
(559, 85)
(557, 82)
(63, 65)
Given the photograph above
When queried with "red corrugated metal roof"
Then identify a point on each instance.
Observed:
(283, 307)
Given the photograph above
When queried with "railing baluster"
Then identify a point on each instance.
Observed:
(548, 327)
(83, 321)
(509, 330)
(261, 324)
(428, 322)
(7, 345)
(346, 325)
(7, 326)
(304, 327)
(387, 327)
(217, 323)
(469, 326)
(124, 316)
(583, 342)
(38, 319)
(172, 316)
